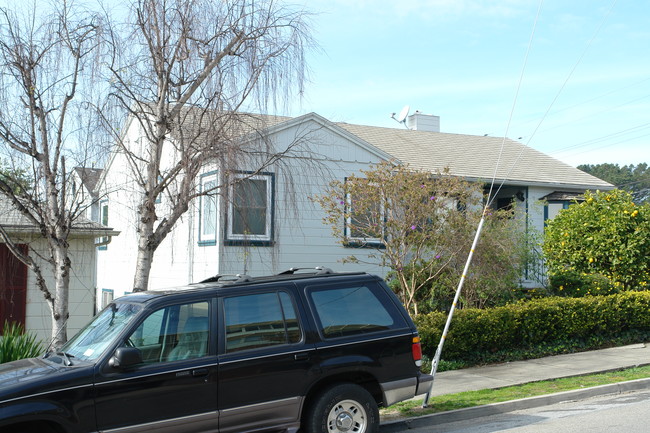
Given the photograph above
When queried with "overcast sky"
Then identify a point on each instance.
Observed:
(585, 90)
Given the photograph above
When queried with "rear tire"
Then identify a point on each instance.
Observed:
(344, 408)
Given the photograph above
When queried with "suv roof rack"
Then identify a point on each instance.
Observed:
(230, 278)
(318, 270)
(289, 274)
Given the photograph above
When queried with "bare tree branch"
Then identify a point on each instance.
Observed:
(185, 74)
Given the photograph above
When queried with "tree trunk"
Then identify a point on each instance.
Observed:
(60, 312)
(143, 262)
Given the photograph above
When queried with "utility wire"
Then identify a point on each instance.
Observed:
(436, 358)
(557, 95)
(512, 109)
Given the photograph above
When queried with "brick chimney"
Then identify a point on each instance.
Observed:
(423, 122)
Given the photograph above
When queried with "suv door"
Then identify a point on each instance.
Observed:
(264, 363)
(363, 332)
(174, 389)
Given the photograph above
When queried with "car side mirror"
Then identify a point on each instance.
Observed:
(125, 357)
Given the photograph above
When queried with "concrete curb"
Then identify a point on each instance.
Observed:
(510, 406)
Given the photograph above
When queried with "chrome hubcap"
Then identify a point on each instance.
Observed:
(347, 416)
(344, 421)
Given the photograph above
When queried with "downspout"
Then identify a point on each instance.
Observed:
(104, 242)
(190, 248)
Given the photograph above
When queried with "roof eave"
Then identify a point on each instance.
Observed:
(556, 185)
(74, 233)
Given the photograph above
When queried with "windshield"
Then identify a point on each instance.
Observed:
(92, 340)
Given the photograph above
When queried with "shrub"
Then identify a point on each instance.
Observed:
(574, 284)
(16, 344)
(606, 235)
(538, 327)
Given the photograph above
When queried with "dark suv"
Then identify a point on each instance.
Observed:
(301, 351)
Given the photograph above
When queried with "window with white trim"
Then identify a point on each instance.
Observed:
(208, 209)
(107, 297)
(250, 210)
(103, 220)
(365, 217)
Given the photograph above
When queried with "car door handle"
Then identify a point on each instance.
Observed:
(200, 372)
(301, 356)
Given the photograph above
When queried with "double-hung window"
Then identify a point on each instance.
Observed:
(365, 215)
(208, 209)
(250, 210)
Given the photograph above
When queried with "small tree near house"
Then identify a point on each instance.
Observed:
(422, 226)
(411, 221)
(604, 238)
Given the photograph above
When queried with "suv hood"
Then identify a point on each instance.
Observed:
(35, 376)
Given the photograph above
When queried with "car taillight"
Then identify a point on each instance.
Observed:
(416, 349)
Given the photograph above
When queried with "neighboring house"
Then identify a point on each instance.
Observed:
(20, 299)
(83, 190)
(269, 224)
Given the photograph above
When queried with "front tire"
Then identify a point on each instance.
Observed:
(344, 408)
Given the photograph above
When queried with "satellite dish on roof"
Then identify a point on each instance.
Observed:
(402, 115)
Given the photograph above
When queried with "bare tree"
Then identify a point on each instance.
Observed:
(185, 72)
(46, 58)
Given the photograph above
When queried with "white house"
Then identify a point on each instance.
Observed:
(272, 225)
(20, 298)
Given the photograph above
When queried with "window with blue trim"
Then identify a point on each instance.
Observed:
(159, 197)
(552, 208)
(208, 209)
(250, 210)
(103, 219)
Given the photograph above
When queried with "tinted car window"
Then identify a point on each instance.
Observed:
(260, 320)
(173, 333)
(91, 341)
(353, 309)
(290, 318)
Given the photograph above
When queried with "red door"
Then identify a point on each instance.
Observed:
(13, 286)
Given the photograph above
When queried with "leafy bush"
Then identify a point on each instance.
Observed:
(606, 235)
(16, 344)
(538, 327)
(506, 248)
(574, 284)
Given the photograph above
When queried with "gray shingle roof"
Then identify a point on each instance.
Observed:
(89, 177)
(474, 157)
(197, 124)
(14, 221)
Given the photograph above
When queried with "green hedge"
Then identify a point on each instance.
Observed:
(538, 327)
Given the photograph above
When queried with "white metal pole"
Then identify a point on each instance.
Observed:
(436, 358)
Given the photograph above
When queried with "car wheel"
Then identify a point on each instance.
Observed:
(341, 409)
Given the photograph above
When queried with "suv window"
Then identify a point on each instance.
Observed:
(353, 309)
(260, 320)
(173, 333)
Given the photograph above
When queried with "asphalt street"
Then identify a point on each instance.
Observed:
(626, 412)
(514, 373)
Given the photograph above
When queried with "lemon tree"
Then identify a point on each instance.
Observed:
(606, 235)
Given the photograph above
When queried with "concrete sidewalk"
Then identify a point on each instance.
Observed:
(520, 372)
(552, 367)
